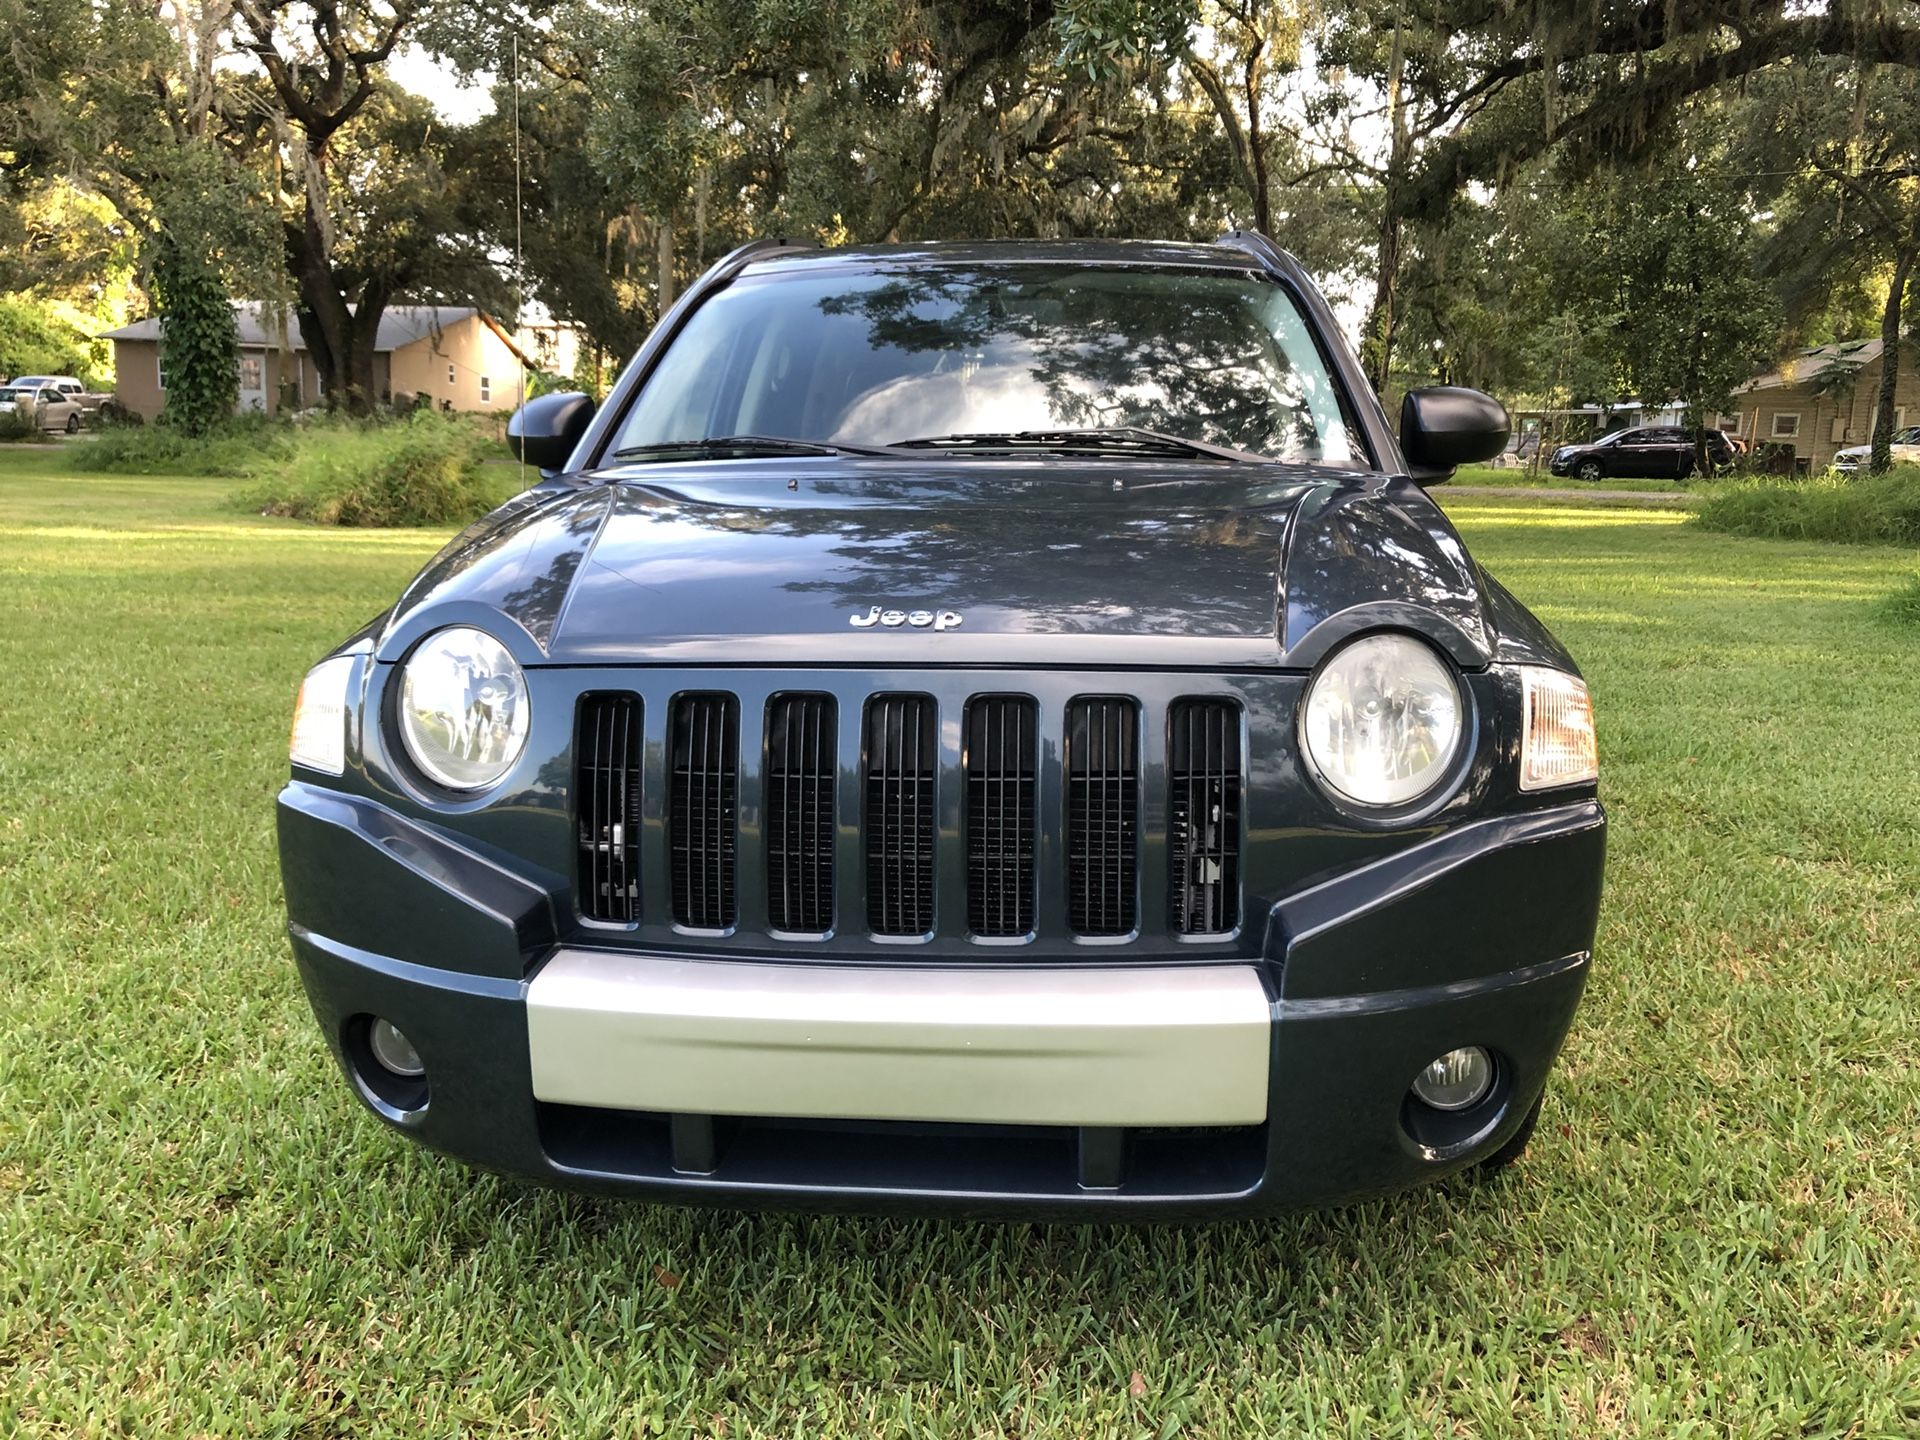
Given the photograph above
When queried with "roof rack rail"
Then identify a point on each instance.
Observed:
(1257, 245)
(741, 256)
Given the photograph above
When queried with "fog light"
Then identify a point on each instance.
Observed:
(394, 1050)
(1457, 1080)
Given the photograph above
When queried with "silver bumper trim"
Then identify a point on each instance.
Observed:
(1165, 1045)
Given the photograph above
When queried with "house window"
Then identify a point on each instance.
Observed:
(251, 373)
(449, 372)
(1838, 433)
(159, 369)
(1786, 425)
(486, 389)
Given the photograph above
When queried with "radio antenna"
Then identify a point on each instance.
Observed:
(519, 260)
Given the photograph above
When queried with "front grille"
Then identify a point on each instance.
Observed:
(1103, 799)
(800, 774)
(702, 802)
(1203, 816)
(948, 768)
(1001, 765)
(606, 784)
(900, 819)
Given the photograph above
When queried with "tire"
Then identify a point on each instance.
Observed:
(73, 424)
(1590, 470)
(1515, 1147)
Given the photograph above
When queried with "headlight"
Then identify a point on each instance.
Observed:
(1559, 746)
(464, 711)
(1382, 722)
(319, 740)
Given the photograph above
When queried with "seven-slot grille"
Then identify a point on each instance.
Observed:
(1099, 802)
(799, 782)
(900, 818)
(702, 806)
(1203, 816)
(1001, 765)
(606, 788)
(1103, 828)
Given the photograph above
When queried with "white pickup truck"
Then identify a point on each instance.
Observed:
(58, 402)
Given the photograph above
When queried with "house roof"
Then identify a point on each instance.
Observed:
(400, 325)
(1810, 364)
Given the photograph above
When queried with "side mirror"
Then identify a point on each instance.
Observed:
(544, 431)
(1444, 426)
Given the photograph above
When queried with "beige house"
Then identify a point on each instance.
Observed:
(456, 356)
(1823, 399)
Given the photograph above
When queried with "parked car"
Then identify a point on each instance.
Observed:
(1658, 452)
(53, 408)
(984, 727)
(1903, 445)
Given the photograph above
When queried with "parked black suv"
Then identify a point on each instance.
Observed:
(1651, 452)
(990, 727)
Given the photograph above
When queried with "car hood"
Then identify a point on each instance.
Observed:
(971, 562)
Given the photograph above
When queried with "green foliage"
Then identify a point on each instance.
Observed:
(199, 338)
(17, 428)
(1864, 510)
(35, 341)
(242, 446)
(421, 470)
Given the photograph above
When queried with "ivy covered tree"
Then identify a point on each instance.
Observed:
(199, 341)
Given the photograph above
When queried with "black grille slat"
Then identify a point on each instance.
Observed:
(1001, 777)
(607, 740)
(702, 809)
(1102, 819)
(1203, 816)
(900, 814)
(799, 826)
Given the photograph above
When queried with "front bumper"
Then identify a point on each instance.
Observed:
(1167, 1086)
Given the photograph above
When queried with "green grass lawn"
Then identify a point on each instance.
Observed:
(201, 1233)
(1520, 478)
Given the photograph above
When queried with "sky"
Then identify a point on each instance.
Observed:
(415, 70)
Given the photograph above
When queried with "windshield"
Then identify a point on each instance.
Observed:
(863, 358)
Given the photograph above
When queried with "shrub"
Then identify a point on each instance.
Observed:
(243, 447)
(423, 470)
(18, 427)
(1864, 510)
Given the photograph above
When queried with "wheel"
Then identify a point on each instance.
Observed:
(73, 424)
(1590, 470)
(1515, 1147)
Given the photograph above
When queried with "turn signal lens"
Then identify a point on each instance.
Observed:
(319, 740)
(1559, 748)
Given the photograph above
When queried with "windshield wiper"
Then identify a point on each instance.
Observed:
(740, 447)
(1105, 440)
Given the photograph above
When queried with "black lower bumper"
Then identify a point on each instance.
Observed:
(1479, 937)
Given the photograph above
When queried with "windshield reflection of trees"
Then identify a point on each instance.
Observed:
(1191, 355)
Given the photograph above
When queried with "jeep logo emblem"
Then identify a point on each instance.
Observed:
(894, 619)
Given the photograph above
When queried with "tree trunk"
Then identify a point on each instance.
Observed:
(1377, 344)
(663, 233)
(1257, 143)
(1880, 457)
(340, 338)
